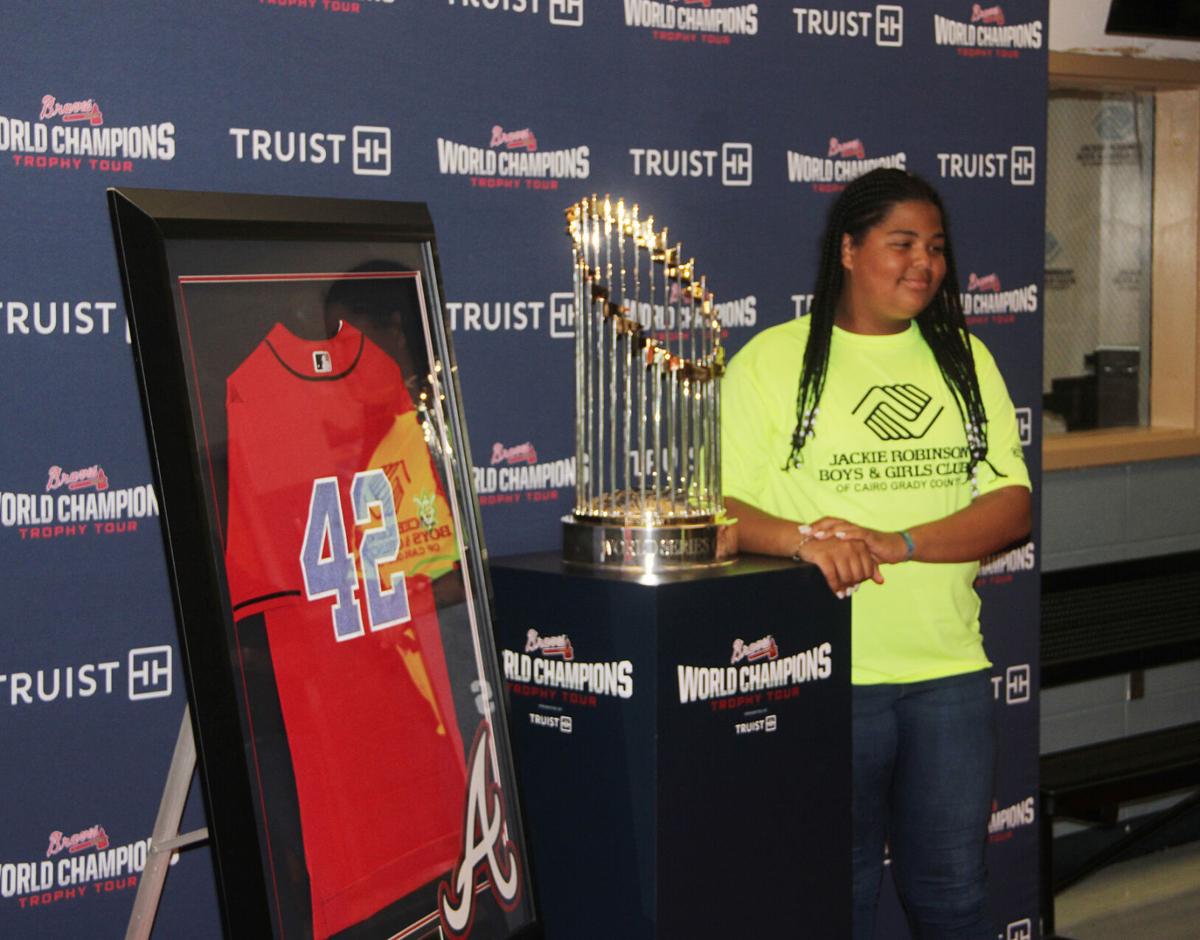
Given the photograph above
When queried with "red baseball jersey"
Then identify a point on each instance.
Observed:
(324, 475)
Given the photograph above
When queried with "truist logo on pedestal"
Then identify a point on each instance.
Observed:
(709, 21)
(986, 300)
(91, 838)
(559, 646)
(512, 160)
(986, 32)
(842, 161)
(72, 135)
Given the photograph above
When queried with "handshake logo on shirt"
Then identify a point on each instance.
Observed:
(897, 412)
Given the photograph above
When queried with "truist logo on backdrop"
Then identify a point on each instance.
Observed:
(93, 477)
(766, 648)
(353, 7)
(561, 12)
(515, 475)
(147, 676)
(987, 300)
(1017, 166)
(559, 645)
(840, 161)
(61, 318)
(1014, 686)
(733, 163)
(366, 150)
(884, 24)
(76, 504)
(986, 32)
(714, 22)
(512, 159)
(70, 135)
(71, 111)
(1025, 425)
(94, 837)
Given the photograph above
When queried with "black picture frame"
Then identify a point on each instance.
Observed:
(210, 280)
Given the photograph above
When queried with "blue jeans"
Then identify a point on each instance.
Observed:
(923, 759)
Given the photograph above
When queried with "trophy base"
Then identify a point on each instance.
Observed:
(613, 546)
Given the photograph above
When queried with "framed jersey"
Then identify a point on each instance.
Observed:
(302, 403)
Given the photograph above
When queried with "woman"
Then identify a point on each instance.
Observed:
(876, 440)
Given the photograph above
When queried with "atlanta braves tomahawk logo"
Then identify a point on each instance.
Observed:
(485, 845)
(897, 412)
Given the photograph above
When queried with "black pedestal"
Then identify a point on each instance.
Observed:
(682, 748)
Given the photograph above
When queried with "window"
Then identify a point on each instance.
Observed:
(1122, 348)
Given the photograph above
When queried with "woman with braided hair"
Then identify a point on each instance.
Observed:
(875, 439)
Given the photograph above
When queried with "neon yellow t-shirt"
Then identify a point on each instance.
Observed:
(889, 452)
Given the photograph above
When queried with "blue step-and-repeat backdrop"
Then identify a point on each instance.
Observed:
(733, 123)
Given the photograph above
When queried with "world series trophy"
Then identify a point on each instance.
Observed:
(648, 360)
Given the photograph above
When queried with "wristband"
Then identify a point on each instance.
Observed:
(909, 547)
(805, 539)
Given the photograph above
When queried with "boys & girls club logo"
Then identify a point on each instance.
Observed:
(72, 134)
(987, 32)
(842, 161)
(884, 24)
(560, 12)
(704, 21)
(988, 300)
(76, 503)
(512, 159)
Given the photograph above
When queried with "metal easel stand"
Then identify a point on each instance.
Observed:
(166, 838)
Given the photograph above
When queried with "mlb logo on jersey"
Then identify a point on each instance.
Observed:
(322, 362)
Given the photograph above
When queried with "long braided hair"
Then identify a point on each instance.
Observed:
(861, 206)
